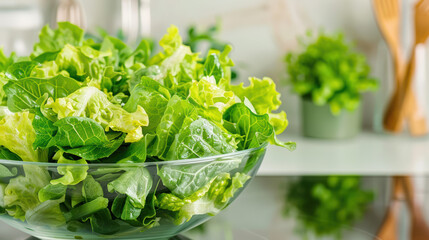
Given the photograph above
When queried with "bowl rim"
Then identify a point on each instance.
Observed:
(143, 164)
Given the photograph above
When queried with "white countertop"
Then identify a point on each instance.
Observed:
(367, 154)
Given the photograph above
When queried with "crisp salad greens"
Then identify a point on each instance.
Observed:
(80, 102)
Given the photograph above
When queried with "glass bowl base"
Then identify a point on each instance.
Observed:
(178, 237)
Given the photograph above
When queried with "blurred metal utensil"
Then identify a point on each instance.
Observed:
(136, 19)
(71, 11)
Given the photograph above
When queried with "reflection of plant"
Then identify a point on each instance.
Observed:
(325, 205)
(205, 40)
(329, 72)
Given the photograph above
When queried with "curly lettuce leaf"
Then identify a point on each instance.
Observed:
(18, 136)
(151, 72)
(72, 175)
(54, 40)
(152, 97)
(264, 98)
(210, 199)
(177, 63)
(92, 103)
(214, 100)
(255, 129)
(21, 194)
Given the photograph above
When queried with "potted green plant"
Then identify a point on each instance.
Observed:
(330, 77)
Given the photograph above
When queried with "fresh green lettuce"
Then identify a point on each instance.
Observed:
(80, 102)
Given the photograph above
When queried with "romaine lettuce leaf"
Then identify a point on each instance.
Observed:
(153, 97)
(47, 213)
(52, 192)
(136, 183)
(185, 180)
(201, 138)
(92, 103)
(23, 94)
(213, 68)
(20, 70)
(6, 154)
(176, 112)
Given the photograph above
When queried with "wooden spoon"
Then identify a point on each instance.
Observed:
(403, 100)
(388, 14)
(419, 227)
(388, 229)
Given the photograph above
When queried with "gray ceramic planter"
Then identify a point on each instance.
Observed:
(319, 122)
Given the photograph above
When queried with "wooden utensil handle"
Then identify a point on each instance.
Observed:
(404, 101)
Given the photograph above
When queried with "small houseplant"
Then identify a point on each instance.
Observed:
(330, 77)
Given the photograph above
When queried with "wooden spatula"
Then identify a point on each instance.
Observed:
(388, 14)
(403, 101)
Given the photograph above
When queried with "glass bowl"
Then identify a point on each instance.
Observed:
(151, 200)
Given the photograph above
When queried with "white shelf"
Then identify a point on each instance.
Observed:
(369, 154)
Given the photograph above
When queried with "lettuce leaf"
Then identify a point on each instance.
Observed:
(48, 213)
(184, 180)
(152, 97)
(214, 100)
(176, 112)
(201, 138)
(136, 183)
(23, 94)
(177, 63)
(92, 103)
(21, 194)
(18, 136)
(72, 175)
(210, 199)
(255, 129)
(264, 98)
(54, 40)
